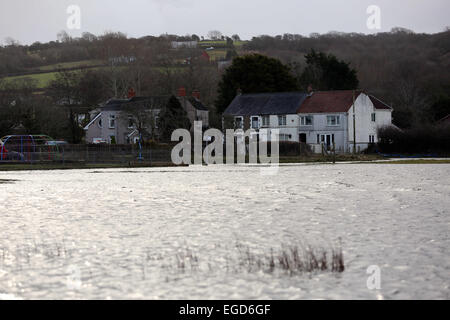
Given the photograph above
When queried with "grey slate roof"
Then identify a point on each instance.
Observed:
(266, 104)
(120, 104)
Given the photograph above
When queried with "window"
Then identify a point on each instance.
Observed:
(281, 120)
(371, 139)
(130, 122)
(333, 120)
(306, 121)
(374, 117)
(238, 123)
(100, 124)
(112, 121)
(285, 137)
(266, 121)
(255, 122)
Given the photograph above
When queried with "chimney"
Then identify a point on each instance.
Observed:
(196, 94)
(182, 92)
(131, 93)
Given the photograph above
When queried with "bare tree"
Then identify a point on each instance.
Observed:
(142, 117)
(215, 35)
(64, 37)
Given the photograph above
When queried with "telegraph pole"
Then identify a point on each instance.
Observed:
(354, 124)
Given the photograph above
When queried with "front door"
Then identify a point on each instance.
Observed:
(328, 140)
(302, 137)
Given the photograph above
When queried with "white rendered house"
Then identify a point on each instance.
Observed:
(320, 119)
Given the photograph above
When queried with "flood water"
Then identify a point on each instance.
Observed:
(175, 233)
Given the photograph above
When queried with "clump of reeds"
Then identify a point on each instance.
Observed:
(293, 259)
(24, 254)
(186, 259)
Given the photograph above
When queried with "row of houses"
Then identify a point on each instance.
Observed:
(113, 122)
(344, 119)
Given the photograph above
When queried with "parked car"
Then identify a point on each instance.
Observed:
(56, 143)
(99, 141)
(9, 155)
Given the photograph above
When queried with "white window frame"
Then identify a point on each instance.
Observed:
(303, 121)
(257, 121)
(374, 117)
(336, 118)
(241, 121)
(266, 121)
(112, 121)
(282, 120)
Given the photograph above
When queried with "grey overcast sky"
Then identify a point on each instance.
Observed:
(40, 20)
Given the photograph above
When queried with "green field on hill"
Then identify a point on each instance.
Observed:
(42, 79)
(219, 43)
(217, 54)
(69, 65)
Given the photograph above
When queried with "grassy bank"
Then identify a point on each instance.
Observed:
(70, 166)
(416, 161)
(358, 159)
(339, 158)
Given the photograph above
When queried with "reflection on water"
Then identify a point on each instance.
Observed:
(211, 232)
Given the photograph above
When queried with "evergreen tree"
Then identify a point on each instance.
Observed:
(253, 73)
(173, 117)
(326, 72)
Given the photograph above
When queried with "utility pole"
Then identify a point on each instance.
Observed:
(354, 124)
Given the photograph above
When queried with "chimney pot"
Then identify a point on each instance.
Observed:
(131, 93)
(182, 92)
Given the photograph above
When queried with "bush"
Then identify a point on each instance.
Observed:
(424, 140)
(288, 148)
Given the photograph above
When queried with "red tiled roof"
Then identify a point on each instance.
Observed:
(329, 101)
(378, 104)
